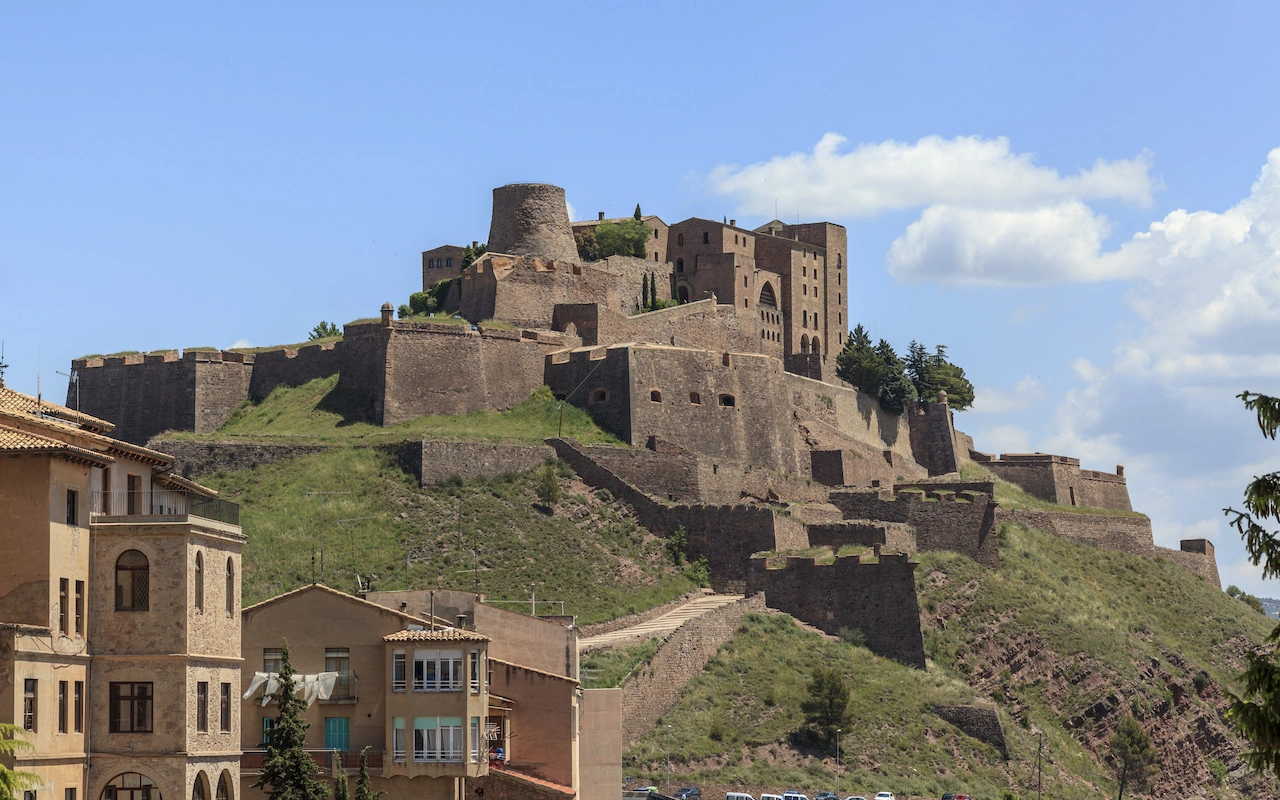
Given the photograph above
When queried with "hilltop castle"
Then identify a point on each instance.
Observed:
(728, 398)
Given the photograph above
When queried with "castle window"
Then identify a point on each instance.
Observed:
(804, 344)
(73, 507)
(805, 320)
(679, 265)
(199, 582)
(805, 271)
(744, 280)
(735, 238)
(655, 255)
(706, 237)
(599, 395)
(133, 582)
(839, 297)
(839, 260)
(679, 238)
(838, 281)
(655, 395)
(816, 346)
(746, 303)
(448, 262)
(805, 290)
(727, 400)
(655, 233)
(815, 319)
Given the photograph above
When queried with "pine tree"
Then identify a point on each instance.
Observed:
(288, 772)
(13, 782)
(364, 786)
(827, 707)
(1134, 756)
(1255, 712)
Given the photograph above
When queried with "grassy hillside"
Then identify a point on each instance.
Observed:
(319, 411)
(1065, 638)
(357, 513)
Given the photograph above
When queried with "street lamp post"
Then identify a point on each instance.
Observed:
(837, 761)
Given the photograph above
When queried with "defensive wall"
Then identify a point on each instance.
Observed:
(654, 689)
(978, 722)
(404, 370)
(704, 324)
(434, 461)
(193, 459)
(933, 437)
(524, 290)
(726, 535)
(856, 463)
(1059, 479)
(1197, 556)
(943, 520)
(1123, 533)
(728, 405)
(895, 537)
(877, 597)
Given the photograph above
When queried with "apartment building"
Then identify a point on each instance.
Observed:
(433, 685)
(119, 613)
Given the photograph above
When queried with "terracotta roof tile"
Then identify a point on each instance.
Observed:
(16, 441)
(19, 403)
(444, 635)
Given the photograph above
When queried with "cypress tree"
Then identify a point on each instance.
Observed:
(288, 772)
(637, 214)
(644, 292)
(340, 789)
(364, 786)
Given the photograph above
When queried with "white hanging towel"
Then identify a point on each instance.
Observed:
(314, 687)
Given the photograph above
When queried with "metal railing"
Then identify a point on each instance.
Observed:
(163, 502)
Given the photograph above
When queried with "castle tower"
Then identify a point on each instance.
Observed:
(531, 219)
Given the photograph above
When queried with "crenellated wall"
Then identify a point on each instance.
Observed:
(943, 520)
(1059, 479)
(893, 537)
(1197, 556)
(876, 597)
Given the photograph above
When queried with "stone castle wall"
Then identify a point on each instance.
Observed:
(982, 724)
(525, 291)
(194, 459)
(1126, 534)
(704, 324)
(964, 523)
(894, 537)
(292, 367)
(933, 438)
(877, 598)
(1059, 479)
(437, 461)
(1197, 556)
(531, 219)
(654, 689)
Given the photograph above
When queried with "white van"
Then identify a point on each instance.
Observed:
(740, 796)
(770, 797)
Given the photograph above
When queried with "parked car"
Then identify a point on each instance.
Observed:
(855, 797)
(741, 796)
(826, 796)
(770, 797)
(688, 793)
(792, 794)
(949, 796)
(884, 796)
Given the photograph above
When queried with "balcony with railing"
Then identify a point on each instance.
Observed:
(327, 762)
(163, 503)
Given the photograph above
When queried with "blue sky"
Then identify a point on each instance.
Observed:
(178, 177)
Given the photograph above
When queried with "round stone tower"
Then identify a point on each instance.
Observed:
(531, 219)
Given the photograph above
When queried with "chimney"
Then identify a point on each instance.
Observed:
(601, 216)
(733, 223)
(1120, 470)
(462, 619)
(474, 245)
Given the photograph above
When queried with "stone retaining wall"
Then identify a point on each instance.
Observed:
(436, 461)
(1125, 533)
(653, 691)
(982, 724)
(194, 459)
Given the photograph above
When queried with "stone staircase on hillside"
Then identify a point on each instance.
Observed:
(659, 626)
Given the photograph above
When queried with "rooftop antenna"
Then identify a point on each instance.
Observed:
(74, 378)
(3, 366)
(39, 396)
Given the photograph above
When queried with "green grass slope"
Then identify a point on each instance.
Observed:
(1064, 638)
(319, 411)
(357, 513)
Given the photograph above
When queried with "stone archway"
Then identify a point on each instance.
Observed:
(131, 786)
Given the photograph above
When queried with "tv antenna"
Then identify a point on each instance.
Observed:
(72, 378)
(3, 366)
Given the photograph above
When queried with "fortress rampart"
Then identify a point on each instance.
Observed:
(896, 537)
(1059, 479)
(524, 291)
(704, 324)
(876, 597)
(943, 520)
(1197, 556)
(1124, 533)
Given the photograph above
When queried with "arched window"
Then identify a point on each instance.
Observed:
(679, 265)
(200, 789)
(804, 344)
(448, 262)
(199, 582)
(768, 298)
(655, 395)
(131, 786)
(231, 587)
(816, 346)
(224, 787)
(133, 582)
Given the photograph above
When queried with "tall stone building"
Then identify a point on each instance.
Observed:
(119, 614)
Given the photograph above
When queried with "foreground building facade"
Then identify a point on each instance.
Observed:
(119, 614)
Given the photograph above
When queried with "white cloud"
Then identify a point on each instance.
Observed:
(1025, 394)
(1024, 313)
(989, 216)
(241, 343)
(573, 215)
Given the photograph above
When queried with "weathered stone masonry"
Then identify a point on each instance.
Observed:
(964, 523)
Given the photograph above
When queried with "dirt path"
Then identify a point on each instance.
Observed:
(659, 626)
